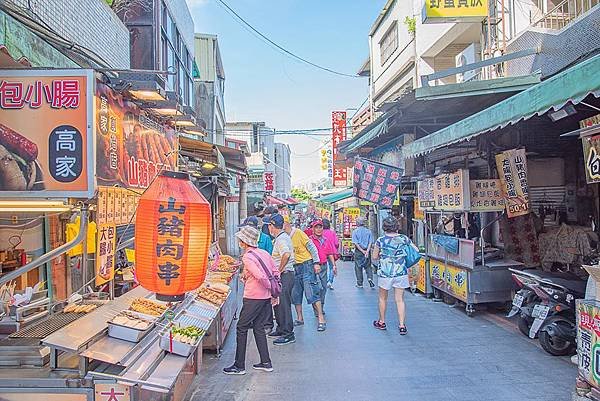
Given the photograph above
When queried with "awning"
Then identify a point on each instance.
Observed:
(571, 85)
(370, 132)
(336, 196)
(235, 159)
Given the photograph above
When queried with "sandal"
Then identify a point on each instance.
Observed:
(403, 330)
(379, 325)
(298, 323)
(321, 326)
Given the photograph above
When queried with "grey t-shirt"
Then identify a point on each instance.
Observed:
(281, 246)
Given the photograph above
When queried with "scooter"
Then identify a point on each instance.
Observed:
(551, 305)
(524, 300)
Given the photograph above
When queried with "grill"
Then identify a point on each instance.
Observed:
(47, 326)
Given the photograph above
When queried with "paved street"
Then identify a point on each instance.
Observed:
(446, 356)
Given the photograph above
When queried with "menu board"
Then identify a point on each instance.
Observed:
(110, 204)
(425, 193)
(451, 191)
(101, 206)
(486, 195)
(105, 266)
(376, 182)
(512, 169)
(118, 209)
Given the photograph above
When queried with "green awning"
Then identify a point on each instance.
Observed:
(571, 85)
(370, 132)
(336, 196)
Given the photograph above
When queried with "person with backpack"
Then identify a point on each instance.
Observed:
(262, 287)
(396, 254)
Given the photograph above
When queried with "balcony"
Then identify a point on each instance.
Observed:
(564, 13)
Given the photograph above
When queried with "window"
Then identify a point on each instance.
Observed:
(389, 43)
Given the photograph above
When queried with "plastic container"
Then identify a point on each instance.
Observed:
(128, 333)
(178, 348)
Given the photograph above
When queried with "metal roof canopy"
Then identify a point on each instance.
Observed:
(572, 85)
(431, 108)
(336, 196)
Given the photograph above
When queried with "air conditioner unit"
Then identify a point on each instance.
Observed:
(472, 54)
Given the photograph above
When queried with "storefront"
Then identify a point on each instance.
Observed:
(80, 155)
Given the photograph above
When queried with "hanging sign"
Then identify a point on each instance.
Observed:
(105, 253)
(376, 182)
(46, 133)
(350, 216)
(269, 181)
(591, 158)
(451, 191)
(439, 11)
(425, 194)
(512, 169)
(338, 135)
(486, 196)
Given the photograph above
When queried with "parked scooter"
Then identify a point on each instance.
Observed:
(548, 308)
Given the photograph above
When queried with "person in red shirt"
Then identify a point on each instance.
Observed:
(327, 253)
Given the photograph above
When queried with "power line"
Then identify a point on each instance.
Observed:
(288, 52)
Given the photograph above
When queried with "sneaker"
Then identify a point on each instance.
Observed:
(274, 333)
(371, 284)
(285, 340)
(298, 323)
(379, 325)
(330, 286)
(266, 366)
(234, 370)
(359, 286)
(322, 327)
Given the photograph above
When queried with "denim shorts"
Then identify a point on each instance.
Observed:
(306, 282)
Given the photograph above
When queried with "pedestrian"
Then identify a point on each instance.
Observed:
(331, 235)
(326, 253)
(396, 254)
(264, 241)
(306, 279)
(283, 255)
(257, 301)
(362, 239)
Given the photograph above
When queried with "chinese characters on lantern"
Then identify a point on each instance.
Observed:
(376, 182)
(269, 181)
(338, 135)
(60, 93)
(170, 240)
(105, 268)
(512, 169)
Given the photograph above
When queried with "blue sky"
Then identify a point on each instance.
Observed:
(264, 85)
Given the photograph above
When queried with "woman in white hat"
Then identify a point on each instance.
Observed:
(256, 306)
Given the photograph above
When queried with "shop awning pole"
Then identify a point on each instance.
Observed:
(47, 257)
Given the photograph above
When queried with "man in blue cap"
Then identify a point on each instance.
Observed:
(264, 241)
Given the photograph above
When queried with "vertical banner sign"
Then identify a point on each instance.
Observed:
(327, 161)
(486, 196)
(451, 191)
(588, 340)
(425, 194)
(512, 169)
(269, 181)
(105, 266)
(101, 206)
(350, 216)
(338, 134)
(376, 182)
(45, 133)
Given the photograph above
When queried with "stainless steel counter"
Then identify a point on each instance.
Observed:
(74, 337)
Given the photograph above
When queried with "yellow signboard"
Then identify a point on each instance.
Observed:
(486, 195)
(105, 253)
(449, 278)
(420, 271)
(512, 168)
(436, 11)
(352, 211)
(451, 191)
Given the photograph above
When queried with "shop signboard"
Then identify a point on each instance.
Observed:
(110, 204)
(101, 206)
(269, 181)
(375, 182)
(111, 392)
(451, 191)
(591, 158)
(440, 11)
(437, 272)
(449, 278)
(486, 195)
(419, 214)
(338, 135)
(118, 211)
(512, 169)
(425, 193)
(588, 340)
(327, 161)
(421, 270)
(347, 247)
(46, 133)
(350, 216)
(105, 253)
(131, 146)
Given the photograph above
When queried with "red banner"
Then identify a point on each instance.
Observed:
(338, 135)
(269, 181)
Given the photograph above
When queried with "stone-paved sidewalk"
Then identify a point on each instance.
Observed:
(445, 356)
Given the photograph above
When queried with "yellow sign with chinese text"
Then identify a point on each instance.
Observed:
(455, 10)
(352, 211)
(456, 282)
(105, 253)
(486, 195)
(420, 271)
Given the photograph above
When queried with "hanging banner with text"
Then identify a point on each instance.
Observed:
(486, 196)
(376, 182)
(425, 194)
(269, 181)
(512, 169)
(338, 135)
(451, 191)
(105, 266)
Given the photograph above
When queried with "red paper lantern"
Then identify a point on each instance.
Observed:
(172, 236)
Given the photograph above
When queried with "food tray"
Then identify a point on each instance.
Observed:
(203, 310)
(178, 348)
(188, 320)
(128, 333)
